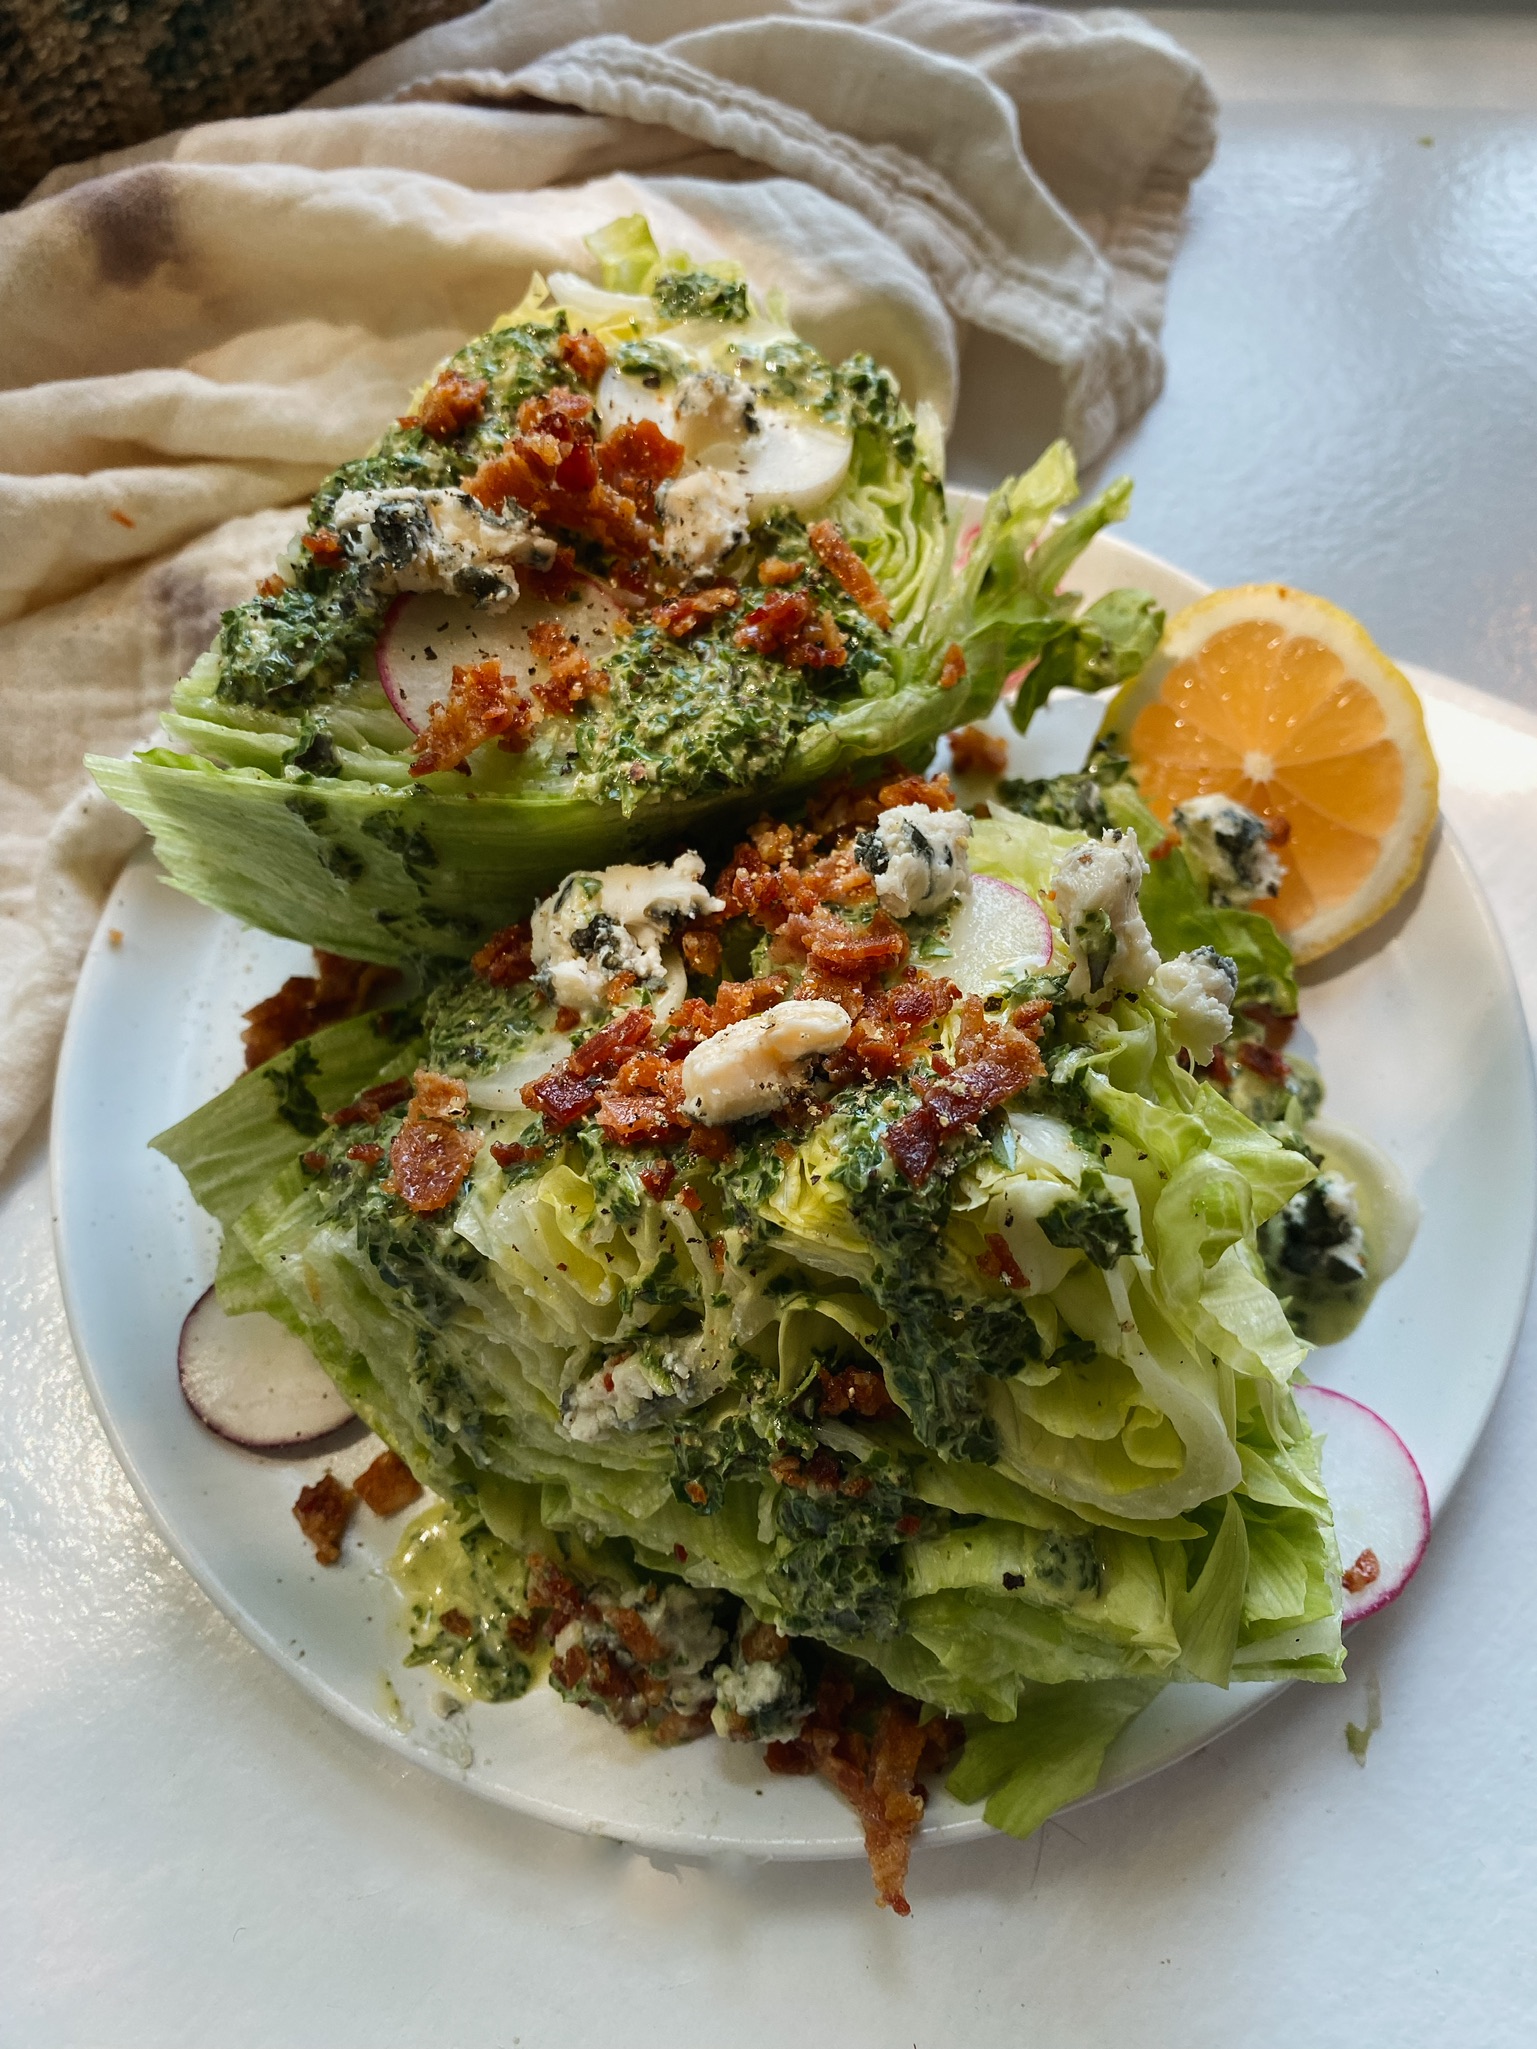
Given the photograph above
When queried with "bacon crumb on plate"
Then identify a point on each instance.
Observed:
(323, 1512)
(388, 1485)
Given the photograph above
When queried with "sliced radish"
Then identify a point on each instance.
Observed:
(999, 934)
(426, 637)
(254, 1382)
(1381, 1509)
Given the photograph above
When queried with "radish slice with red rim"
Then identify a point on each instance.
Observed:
(1381, 1508)
(426, 637)
(253, 1382)
(998, 934)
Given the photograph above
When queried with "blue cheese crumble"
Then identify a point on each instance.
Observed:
(409, 540)
(758, 1064)
(1230, 846)
(609, 921)
(1198, 988)
(917, 859)
(1095, 888)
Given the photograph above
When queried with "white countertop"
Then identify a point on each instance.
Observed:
(190, 1852)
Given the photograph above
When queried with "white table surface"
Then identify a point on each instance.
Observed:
(191, 1853)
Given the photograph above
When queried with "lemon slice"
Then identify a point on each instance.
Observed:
(1284, 703)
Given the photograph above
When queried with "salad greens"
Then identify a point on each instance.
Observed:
(1017, 1436)
(292, 793)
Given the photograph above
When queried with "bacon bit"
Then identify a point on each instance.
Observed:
(507, 957)
(323, 1512)
(572, 676)
(953, 670)
(1217, 1069)
(271, 587)
(567, 1019)
(1165, 847)
(342, 988)
(773, 571)
(838, 558)
(456, 1622)
(1278, 830)
(974, 752)
(483, 704)
(692, 1200)
(637, 1120)
(857, 953)
(888, 1027)
(553, 584)
(436, 1096)
(1262, 1060)
(388, 1485)
(449, 404)
(548, 1588)
(999, 1264)
(701, 952)
(1358, 1577)
(879, 1780)
(763, 1644)
(637, 1639)
(429, 1160)
(366, 1155)
(313, 1162)
(371, 1105)
(560, 1097)
(860, 1388)
(584, 355)
(658, 1179)
(522, 1632)
(120, 518)
(934, 791)
(994, 1061)
(325, 546)
(1275, 1024)
(606, 1048)
(789, 627)
(686, 615)
(680, 1552)
(771, 627)
(710, 1142)
(553, 470)
(512, 1155)
(718, 1254)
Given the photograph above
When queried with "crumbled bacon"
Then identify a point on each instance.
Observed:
(572, 676)
(342, 988)
(840, 806)
(507, 957)
(271, 587)
(773, 571)
(449, 404)
(388, 1485)
(371, 1105)
(856, 953)
(878, 1778)
(457, 1623)
(554, 468)
(513, 1155)
(1358, 1577)
(323, 1512)
(953, 668)
(1275, 1024)
(994, 1061)
(999, 1264)
(1262, 1060)
(431, 1155)
(555, 582)
(789, 627)
(975, 752)
(844, 566)
(658, 1179)
(701, 951)
(483, 704)
(325, 546)
(860, 1388)
(888, 1025)
(636, 1120)
(687, 615)
(367, 1155)
(436, 1095)
(604, 1050)
(583, 355)
(560, 1097)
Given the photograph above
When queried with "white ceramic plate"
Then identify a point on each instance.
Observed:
(1422, 1044)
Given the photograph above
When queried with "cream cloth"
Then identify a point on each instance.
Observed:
(194, 332)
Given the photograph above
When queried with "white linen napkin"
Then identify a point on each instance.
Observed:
(194, 332)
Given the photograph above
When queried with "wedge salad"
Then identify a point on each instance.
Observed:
(838, 1260)
(638, 559)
